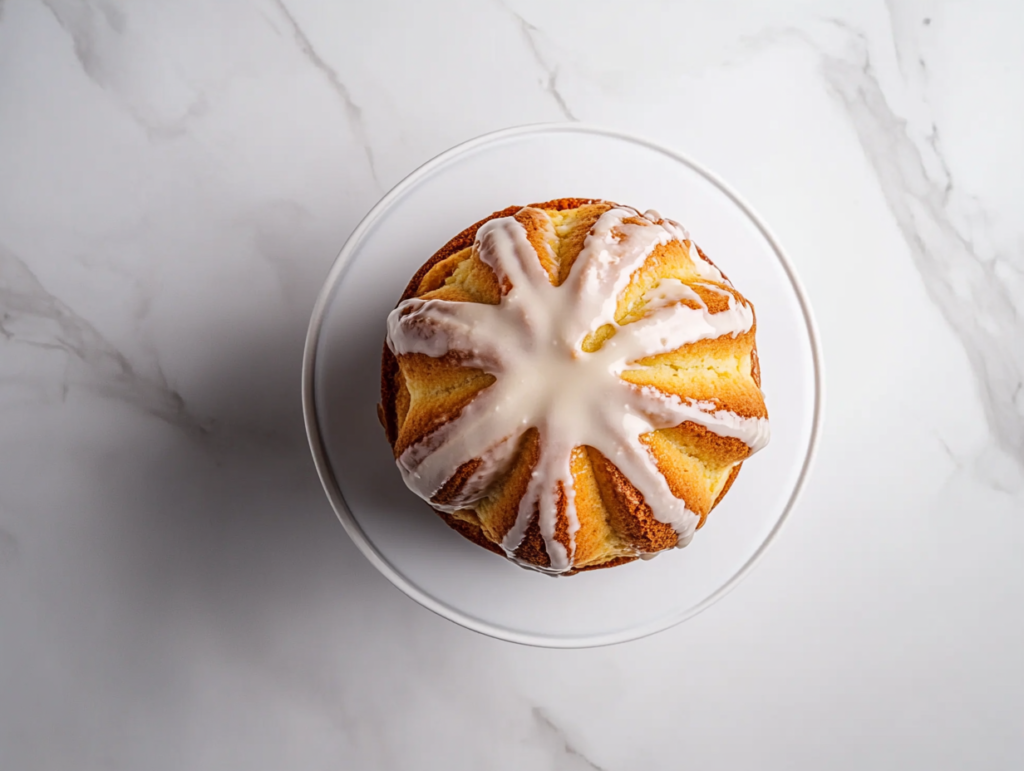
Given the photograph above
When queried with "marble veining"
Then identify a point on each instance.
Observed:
(530, 34)
(33, 317)
(98, 35)
(174, 589)
(973, 297)
(571, 759)
(353, 111)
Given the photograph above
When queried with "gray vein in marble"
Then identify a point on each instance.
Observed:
(574, 759)
(966, 289)
(81, 22)
(353, 112)
(32, 316)
(949, 452)
(115, 17)
(936, 144)
(530, 33)
(77, 20)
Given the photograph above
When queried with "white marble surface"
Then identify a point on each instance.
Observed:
(175, 180)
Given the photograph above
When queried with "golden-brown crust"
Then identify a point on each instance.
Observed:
(725, 488)
(614, 562)
(531, 549)
(616, 525)
(465, 239)
(467, 236)
(596, 540)
(500, 510)
(431, 392)
(456, 482)
(471, 531)
(628, 514)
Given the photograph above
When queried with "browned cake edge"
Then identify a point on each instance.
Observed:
(473, 533)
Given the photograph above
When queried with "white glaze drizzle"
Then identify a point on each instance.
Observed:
(531, 342)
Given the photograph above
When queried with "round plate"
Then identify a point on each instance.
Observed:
(397, 531)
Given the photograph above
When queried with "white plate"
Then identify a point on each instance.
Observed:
(399, 534)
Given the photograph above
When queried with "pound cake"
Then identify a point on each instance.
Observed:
(572, 384)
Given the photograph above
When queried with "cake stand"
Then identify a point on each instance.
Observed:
(398, 532)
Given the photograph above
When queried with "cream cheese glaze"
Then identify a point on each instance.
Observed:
(532, 343)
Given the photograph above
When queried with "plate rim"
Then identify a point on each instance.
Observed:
(333, 489)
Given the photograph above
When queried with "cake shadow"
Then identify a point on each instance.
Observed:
(224, 533)
(358, 456)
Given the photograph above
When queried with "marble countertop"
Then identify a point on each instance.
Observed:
(175, 181)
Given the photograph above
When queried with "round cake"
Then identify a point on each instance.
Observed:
(572, 384)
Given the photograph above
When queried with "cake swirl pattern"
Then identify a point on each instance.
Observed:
(560, 353)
